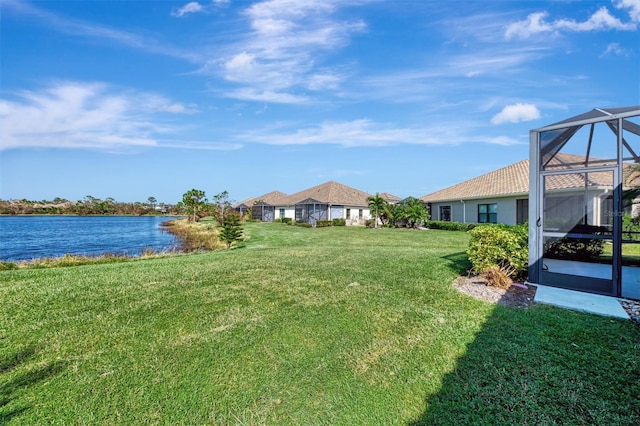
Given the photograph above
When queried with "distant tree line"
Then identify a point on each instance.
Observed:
(89, 205)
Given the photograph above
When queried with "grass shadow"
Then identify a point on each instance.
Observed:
(12, 380)
(458, 262)
(539, 366)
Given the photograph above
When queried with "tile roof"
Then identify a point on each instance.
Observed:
(390, 198)
(272, 198)
(329, 193)
(513, 180)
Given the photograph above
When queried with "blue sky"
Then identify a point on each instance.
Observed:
(132, 99)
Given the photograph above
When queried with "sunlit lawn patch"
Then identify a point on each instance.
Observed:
(336, 325)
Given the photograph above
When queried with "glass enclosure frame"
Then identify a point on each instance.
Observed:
(587, 250)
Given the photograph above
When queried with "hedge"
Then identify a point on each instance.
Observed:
(502, 246)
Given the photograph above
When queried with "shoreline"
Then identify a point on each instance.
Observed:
(190, 238)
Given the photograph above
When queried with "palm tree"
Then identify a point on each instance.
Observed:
(414, 212)
(377, 206)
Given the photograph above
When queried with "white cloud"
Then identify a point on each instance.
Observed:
(82, 28)
(191, 7)
(367, 133)
(83, 115)
(601, 20)
(279, 53)
(534, 24)
(250, 94)
(516, 113)
(633, 7)
(615, 49)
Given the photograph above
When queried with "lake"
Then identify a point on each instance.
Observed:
(31, 237)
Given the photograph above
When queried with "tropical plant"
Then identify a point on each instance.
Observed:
(376, 207)
(413, 211)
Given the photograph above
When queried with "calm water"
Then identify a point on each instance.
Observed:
(30, 237)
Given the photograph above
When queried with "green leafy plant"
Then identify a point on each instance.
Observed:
(323, 223)
(450, 226)
(303, 224)
(499, 246)
(339, 222)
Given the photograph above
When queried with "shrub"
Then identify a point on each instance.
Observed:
(285, 220)
(450, 226)
(5, 266)
(574, 248)
(500, 246)
(370, 223)
(323, 223)
(303, 224)
(339, 222)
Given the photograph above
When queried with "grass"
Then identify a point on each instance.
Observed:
(335, 326)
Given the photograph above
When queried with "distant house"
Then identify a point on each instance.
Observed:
(262, 207)
(390, 198)
(327, 201)
(501, 196)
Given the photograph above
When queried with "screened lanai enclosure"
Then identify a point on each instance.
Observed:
(310, 211)
(263, 212)
(584, 203)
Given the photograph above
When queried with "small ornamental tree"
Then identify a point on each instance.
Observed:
(377, 205)
(231, 231)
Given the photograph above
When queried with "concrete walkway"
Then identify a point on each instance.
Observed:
(580, 301)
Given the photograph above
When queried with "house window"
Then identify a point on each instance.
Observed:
(445, 213)
(348, 213)
(522, 211)
(281, 213)
(360, 213)
(487, 213)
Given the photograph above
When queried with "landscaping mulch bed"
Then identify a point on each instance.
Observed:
(521, 295)
(517, 296)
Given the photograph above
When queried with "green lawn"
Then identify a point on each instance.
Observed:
(335, 326)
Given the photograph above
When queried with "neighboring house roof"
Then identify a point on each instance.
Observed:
(329, 193)
(513, 180)
(390, 198)
(271, 198)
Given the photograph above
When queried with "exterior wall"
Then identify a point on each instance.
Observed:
(467, 212)
(354, 215)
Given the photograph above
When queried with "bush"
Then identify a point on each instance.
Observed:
(500, 246)
(323, 223)
(339, 222)
(286, 220)
(450, 226)
(303, 224)
(370, 223)
(574, 249)
(6, 266)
